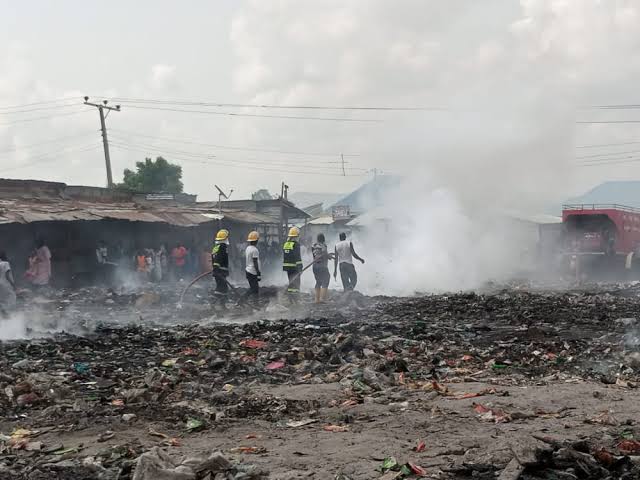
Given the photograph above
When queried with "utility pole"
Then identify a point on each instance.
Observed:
(342, 158)
(284, 219)
(105, 143)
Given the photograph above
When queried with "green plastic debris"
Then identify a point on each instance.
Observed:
(500, 366)
(405, 470)
(81, 367)
(389, 463)
(360, 386)
(193, 424)
(627, 434)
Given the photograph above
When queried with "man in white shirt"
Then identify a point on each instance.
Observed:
(344, 255)
(252, 268)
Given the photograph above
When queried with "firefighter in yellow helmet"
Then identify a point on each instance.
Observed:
(252, 268)
(220, 262)
(292, 263)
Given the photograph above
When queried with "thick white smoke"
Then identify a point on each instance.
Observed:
(512, 79)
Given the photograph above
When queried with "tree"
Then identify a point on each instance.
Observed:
(153, 177)
(262, 194)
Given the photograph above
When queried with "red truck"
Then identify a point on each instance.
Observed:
(604, 237)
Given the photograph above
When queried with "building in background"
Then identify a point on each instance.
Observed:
(73, 219)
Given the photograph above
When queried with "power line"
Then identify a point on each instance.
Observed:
(44, 102)
(613, 162)
(250, 163)
(610, 121)
(46, 142)
(609, 154)
(33, 119)
(259, 161)
(607, 145)
(48, 157)
(228, 147)
(280, 107)
(231, 114)
(217, 162)
(621, 106)
(37, 109)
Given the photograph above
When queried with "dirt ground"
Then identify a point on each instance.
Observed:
(442, 386)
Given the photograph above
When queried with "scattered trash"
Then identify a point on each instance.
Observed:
(301, 423)
(156, 464)
(81, 367)
(253, 344)
(254, 450)
(335, 428)
(194, 424)
(275, 365)
(629, 447)
(430, 355)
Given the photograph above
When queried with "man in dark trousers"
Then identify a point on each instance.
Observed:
(292, 262)
(220, 261)
(344, 255)
(252, 268)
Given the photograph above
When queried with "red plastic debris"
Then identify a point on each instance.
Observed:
(275, 365)
(417, 470)
(335, 428)
(420, 447)
(629, 446)
(253, 344)
(480, 409)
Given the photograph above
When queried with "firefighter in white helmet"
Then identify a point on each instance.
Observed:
(292, 261)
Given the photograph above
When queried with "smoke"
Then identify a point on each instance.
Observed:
(510, 79)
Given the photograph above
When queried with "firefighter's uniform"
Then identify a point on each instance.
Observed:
(220, 261)
(292, 263)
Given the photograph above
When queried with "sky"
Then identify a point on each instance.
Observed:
(500, 87)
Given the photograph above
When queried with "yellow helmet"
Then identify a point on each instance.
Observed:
(253, 236)
(294, 232)
(222, 235)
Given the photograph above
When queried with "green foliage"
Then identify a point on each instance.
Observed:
(157, 176)
(262, 194)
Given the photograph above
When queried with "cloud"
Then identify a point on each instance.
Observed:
(163, 77)
(512, 76)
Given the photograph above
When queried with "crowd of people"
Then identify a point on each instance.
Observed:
(292, 264)
(37, 274)
(180, 262)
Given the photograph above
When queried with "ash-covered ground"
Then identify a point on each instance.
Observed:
(511, 383)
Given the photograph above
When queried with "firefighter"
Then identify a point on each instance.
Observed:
(220, 261)
(292, 263)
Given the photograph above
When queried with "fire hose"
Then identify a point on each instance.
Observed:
(202, 275)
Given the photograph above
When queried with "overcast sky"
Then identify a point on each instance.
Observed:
(508, 80)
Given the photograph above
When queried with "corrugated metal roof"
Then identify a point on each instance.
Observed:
(248, 217)
(130, 215)
(324, 220)
(183, 219)
(36, 210)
